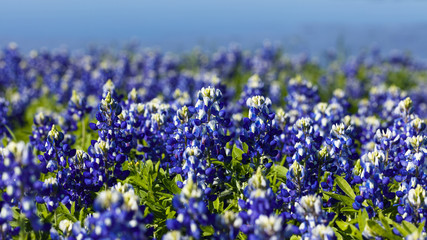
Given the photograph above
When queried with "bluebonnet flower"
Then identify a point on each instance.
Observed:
(415, 206)
(313, 219)
(181, 99)
(4, 108)
(20, 173)
(180, 138)
(85, 176)
(307, 144)
(6, 216)
(20, 180)
(77, 109)
(384, 101)
(76, 175)
(225, 61)
(55, 160)
(258, 219)
(302, 96)
(259, 131)
(107, 171)
(213, 80)
(193, 163)
(339, 97)
(42, 125)
(174, 235)
(377, 167)
(375, 185)
(264, 58)
(117, 215)
(254, 87)
(227, 225)
(114, 143)
(149, 134)
(342, 151)
(191, 210)
(417, 96)
(325, 115)
(202, 130)
(367, 127)
(322, 232)
(211, 123)
(295, 182)
(56, 152)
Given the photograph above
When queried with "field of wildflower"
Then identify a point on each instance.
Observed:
(232, 144)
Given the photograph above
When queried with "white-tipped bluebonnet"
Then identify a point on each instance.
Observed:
(191, 211)
(42, 125)
(259, 131)
(258, 219)
(117, 215)
(312, 217)
(302, 95)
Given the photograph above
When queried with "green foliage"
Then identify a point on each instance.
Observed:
(343, 184)
(344, 199)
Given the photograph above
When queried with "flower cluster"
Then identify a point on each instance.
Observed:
(20, 175)
(192, 212)
(232, 145)
(117, 215)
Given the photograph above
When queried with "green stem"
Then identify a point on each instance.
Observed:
(56, 219)
(106, 178)
(386, 158)
(299, 185)
(83, 133)
(319, 172)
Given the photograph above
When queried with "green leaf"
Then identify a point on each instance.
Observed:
(420, 228)
(344, 199)
(207, 230)
(409, 226)
(62, 209)
(218, 205)
(348, 209)
(157, 166)
(295, 237)
(343, 184)
(362, 218)
(170, 184)
(73, 208)
(169, 212)
(218, 163)
(237, 153)
(245, 147)
(15, 212)
(10, 132)
(390, 210)
(347, 227)
(282, 163)
(401, 229)
(279, 171)
(385, 223)
(337, 234)
(342, 225)
(82, 215)
(379, 231)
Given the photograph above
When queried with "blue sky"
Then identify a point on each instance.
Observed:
(303, 25)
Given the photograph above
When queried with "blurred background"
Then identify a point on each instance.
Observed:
(299, 26)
